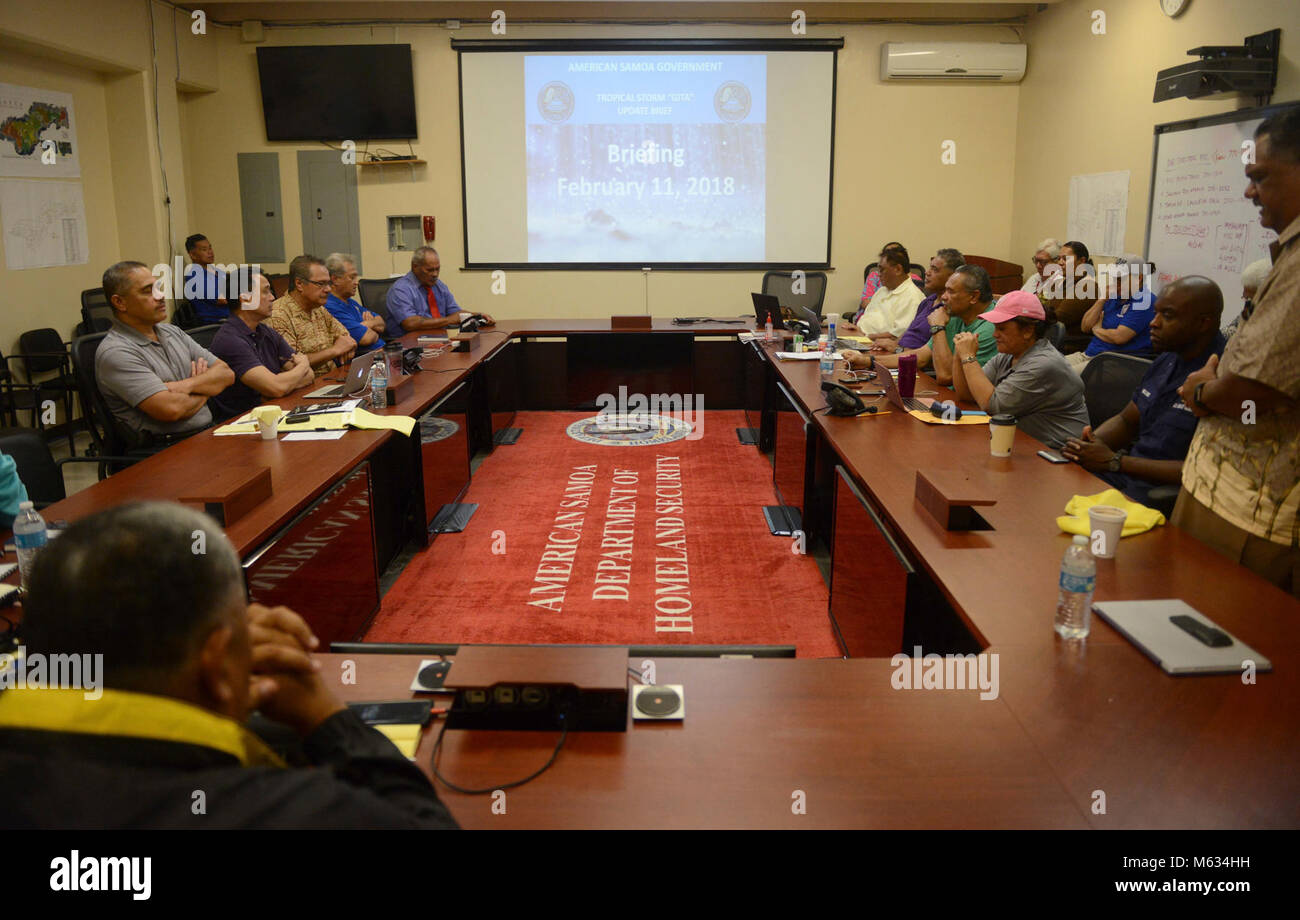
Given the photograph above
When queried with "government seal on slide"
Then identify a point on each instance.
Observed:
(732, 101)
(555, 101)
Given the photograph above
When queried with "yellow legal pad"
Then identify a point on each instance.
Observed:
(329, 421)
(405, 737)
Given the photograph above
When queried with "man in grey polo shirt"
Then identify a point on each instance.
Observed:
(1027, 378)
(154, 377)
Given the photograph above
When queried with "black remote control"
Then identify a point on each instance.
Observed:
(1208, 635)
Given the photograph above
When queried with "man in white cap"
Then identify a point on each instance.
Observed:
(1028, 378)
(1120, 320)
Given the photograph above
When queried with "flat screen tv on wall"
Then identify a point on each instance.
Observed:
(337, 92)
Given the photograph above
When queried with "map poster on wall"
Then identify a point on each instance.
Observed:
(1099, 211)
(44, 224)
(38, 133)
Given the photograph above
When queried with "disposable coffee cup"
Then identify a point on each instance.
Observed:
(1002, 432)
(1105, 526)
(268, 421)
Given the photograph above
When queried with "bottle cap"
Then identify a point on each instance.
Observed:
(1079, 540)
(25, 506)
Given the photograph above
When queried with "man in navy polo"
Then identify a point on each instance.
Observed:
(418, 300)
(1121, 319)
(265, 365)
(1144, 445)
(361, 324)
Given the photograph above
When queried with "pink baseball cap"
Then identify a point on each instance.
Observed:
(1015, 305)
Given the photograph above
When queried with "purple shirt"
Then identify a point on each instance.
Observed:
(918, 333)
(244, 349)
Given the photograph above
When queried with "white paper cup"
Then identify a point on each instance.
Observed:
(1106, 526)
(1002, 433)
(268, 421)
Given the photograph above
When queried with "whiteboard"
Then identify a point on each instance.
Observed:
(1199, 221)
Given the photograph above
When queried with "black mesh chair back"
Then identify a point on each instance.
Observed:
(1056, 335)
(96, 313)
(374, 297)
(41, 476)
(103, 430)
(184, 315)
(204, 334)
(781, 286)
(1108, 384)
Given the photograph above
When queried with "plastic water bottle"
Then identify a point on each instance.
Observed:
(30, 536)
(831, 338)
(379, 385)
(827, 362)
(1078, 581)
(767, 330)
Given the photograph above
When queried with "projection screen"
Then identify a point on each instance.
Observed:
(621, 154)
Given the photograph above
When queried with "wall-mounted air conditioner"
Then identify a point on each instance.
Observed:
(988, 62)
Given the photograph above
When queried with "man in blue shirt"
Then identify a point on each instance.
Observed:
(419, 301)
(1119, 321)
(360, 323)
(205, 286)
(1144, 445)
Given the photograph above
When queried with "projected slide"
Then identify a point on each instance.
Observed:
(637, 156)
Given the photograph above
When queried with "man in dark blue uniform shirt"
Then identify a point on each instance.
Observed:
(205, 286)
(1144, 445)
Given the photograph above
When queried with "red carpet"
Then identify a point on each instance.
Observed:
(627, 545)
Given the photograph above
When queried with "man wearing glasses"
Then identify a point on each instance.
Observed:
(300, 317)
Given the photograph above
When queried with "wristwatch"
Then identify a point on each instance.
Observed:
(1196, 397)
(935, 330)
(970, 359)
(1113, 464)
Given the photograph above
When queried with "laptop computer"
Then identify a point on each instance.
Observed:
(766, 307)
(355, 382)
(1148, 625)
(897, 399)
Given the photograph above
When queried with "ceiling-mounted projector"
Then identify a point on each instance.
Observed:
(1249, 68)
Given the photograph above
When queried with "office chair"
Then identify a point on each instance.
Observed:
(374, 297)
(184, 316)
(43, 351)
(1108, 384)
(781, 285)
(279, 284)
(204, 334)
(1056, 334)
(96, 313)
(40, 473)
(110, 446)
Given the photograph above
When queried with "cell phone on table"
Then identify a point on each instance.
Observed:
(1052, 456)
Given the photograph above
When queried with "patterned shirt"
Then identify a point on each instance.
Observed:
(1245, 467)
(305, 331)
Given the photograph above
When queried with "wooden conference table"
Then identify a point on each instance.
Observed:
(1080, 734)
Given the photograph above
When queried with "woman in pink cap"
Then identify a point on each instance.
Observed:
(1028, 378)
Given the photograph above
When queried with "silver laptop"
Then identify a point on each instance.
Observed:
(1148, 625)
(904, 403)
(355, 382)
